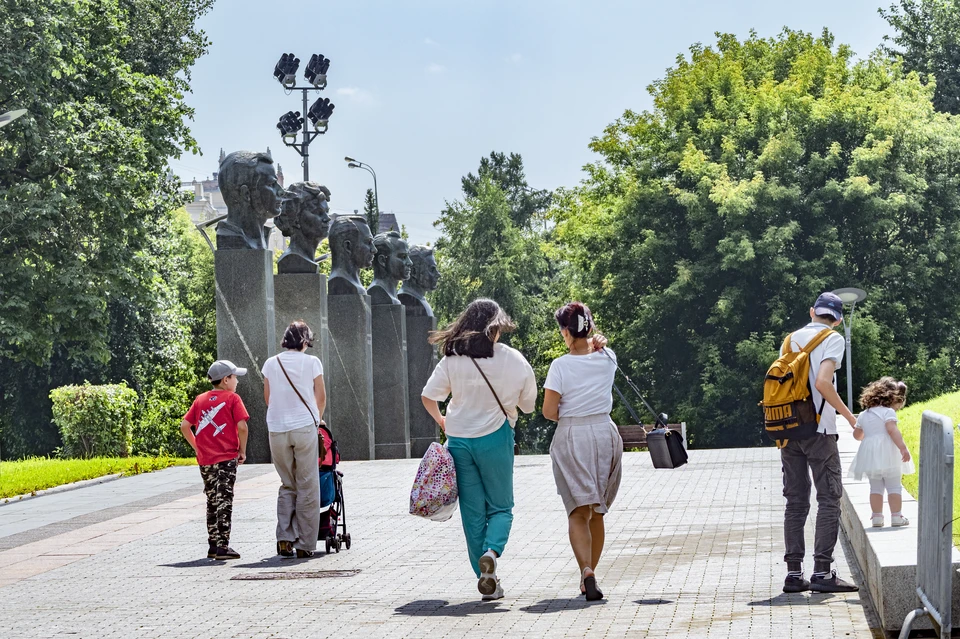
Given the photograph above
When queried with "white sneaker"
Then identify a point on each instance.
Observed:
(496, 594)
(489, 584)
(877, 521)
(899, 520)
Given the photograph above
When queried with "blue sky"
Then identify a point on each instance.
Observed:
(424, 89)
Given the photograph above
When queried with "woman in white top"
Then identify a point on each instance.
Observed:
(586, 448)
(489, 382)
(294, 393)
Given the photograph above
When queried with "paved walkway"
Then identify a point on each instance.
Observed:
(692, 552)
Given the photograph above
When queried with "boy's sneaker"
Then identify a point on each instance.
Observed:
(488, 583)
(831, 583)
(212, 552)
(226, 552)
(899, 520)
(496, 594)
(877, 521)
(795, 584)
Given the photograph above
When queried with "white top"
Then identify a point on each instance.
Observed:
(830, 348)
(878, 456)
(286, 412)
(473, 411)
(583, 382)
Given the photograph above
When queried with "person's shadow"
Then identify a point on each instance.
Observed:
(795, 599)
(442, 608)
(196, 563)
(545, 606)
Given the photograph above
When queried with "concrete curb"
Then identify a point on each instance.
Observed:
(16, 499)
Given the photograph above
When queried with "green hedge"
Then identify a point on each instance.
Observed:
(94, 421)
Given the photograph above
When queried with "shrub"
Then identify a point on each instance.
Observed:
(94, 421)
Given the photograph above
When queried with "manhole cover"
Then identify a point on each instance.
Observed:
(312, 574)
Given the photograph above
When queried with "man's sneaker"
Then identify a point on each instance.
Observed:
(212, 552)
(795, 584)
(226, 552)
(877, 521)
(496, 594)
(831, 584)
(488, 584)
(899, 520)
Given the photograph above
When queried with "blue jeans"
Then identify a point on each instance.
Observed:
(485, 485)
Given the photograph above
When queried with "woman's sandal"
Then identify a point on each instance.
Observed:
(285, 548)
(590, 586)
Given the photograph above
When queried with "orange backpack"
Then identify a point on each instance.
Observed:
(788, 409)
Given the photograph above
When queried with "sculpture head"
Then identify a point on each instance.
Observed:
(248, 182)
(424, 274)
(305, 217)
(351, 243)
(392, 261)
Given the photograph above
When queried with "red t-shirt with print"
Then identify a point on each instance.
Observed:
(214, 416)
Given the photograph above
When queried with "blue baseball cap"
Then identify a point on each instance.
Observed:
(829, 304)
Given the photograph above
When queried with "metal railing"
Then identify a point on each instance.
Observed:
(934, 530)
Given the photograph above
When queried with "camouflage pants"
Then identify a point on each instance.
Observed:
(218, 480)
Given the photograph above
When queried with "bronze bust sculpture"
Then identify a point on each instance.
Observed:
(351, 249)
(423, 278)
(248, 182)
(390, 266)
(305, 220)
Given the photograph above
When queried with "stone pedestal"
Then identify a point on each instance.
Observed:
(390, 401)
(421, 360)
(303, 296)
(351, 375)
(246, 332)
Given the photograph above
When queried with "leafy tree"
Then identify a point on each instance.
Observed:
(370, 210)
(768, 171)
(85, 199)
(506, 172)
(927, 38)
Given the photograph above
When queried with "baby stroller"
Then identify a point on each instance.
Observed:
(332, 513)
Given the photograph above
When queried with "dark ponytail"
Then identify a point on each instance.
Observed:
(576, 318)
(296, 335)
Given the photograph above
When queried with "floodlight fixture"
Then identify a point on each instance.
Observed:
(320, 113)
(286, 70)
(316, 71)
(289, 125)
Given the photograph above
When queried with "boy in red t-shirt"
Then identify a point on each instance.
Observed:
(220, 441)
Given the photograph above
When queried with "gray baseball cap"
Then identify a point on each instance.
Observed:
(223, 367)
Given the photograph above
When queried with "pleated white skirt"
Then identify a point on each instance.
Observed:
(586, 454)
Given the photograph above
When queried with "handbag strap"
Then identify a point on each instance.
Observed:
(490, 386)
(310, 410)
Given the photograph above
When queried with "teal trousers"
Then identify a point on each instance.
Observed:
(485, 484)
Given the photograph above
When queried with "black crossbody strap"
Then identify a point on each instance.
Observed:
(490, 386)
(310, 410)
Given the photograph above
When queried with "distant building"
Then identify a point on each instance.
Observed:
(388, 222)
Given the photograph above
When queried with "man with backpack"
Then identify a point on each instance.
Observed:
(801, 405)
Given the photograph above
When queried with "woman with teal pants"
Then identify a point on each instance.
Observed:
(487, 382)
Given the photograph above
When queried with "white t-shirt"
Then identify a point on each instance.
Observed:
(830, 348)
(473, 410)
(286, 412)
(583, 382)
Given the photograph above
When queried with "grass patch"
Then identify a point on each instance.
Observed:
(909, 419)
(39, 473)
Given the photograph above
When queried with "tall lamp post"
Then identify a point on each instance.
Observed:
(355, 164)
(10, 116)
(850, 297)
(292, 122)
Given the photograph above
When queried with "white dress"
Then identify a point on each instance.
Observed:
(878, 456)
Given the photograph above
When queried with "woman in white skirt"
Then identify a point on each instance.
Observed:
(586, 450)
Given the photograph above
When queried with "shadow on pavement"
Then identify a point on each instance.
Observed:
(441, 608)
(798, 599)
(196, 563)
(559, 605)
(276, 561)
(652, 602)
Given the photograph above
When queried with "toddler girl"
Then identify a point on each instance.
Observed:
(882, 457)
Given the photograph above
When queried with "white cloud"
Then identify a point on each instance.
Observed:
(356, 94)
(433, 67)
(430, 42)
(516, 58)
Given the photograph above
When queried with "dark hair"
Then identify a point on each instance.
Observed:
(216, 382)
(576, 318)
(474, 332)
(827, 318)
(296, 335)
(886, 391)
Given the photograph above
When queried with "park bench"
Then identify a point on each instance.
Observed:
(635, 435)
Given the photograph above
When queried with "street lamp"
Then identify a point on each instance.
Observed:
(318, 114)
(850, 297)
(355, 164)
(10, 116)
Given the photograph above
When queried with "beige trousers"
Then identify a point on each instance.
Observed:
(294, 456)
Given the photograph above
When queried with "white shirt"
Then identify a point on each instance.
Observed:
(830, 348)
(286, 412)
(473, 410)
(583, 382)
